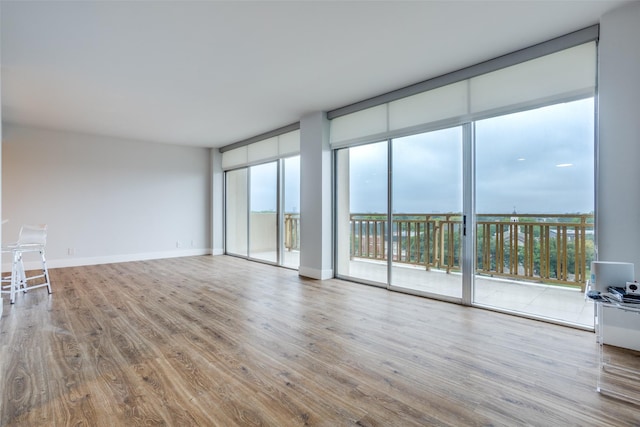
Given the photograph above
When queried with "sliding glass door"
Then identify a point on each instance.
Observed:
(482, 190)
(362, 213)
(263, 220)
(290, 221)
(399, 213)
(237, 209)
(400, 220)
(427, 212)
(262, 217)
(534, 211)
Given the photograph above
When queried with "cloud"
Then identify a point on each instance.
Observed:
(516, 158)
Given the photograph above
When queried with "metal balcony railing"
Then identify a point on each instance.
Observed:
(553, 249)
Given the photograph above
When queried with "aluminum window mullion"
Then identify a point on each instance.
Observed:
(280, 211)
(468, 212)
(389, 212)
(249, 212)
(224, 213)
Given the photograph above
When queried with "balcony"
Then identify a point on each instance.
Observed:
(532, 264)
(549, 249)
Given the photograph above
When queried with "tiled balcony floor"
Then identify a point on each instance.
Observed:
(561, 304)
(553, 302)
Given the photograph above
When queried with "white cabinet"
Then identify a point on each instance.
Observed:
(618, 332)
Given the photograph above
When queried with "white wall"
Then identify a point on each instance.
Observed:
(106, 198)
(618, 204)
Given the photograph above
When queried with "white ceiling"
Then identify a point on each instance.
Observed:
(210, 73)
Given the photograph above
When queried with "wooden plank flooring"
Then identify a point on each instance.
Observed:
(220, 341)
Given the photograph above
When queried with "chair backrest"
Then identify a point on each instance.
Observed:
(33, 235)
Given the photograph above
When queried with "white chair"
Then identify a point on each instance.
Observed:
(13, 279)
(32, 238)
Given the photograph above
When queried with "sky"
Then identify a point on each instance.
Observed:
(264, 186)
(537, 161)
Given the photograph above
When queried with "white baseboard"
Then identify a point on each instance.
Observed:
(315, 273)
(109, 259)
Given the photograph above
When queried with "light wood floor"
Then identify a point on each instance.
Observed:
(220, 341)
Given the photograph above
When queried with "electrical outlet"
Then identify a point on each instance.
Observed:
(71, 251)
(178, 244)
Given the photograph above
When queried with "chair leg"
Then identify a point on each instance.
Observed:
(14, 276)
(22, 276)
(45, 270)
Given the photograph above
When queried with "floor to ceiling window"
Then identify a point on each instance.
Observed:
(237, 220)
(399, 213)
(426, 212)
(262, 212)
(400, 217)
(262, 200)
(481, 191)
(263, 218)
(534, 210)
(362, 219)
(290, 244)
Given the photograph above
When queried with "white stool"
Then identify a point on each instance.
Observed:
(32, 238)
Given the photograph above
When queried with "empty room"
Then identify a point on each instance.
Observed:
(282, 213)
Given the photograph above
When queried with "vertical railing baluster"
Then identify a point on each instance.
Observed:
(581, 256)
(451, 247)
(361, 238)
(408, 244)
(486, 248)
(374, 236)
(384, 240)
(544, 252)
(439, 253)
(427, 245)
(513, 247)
